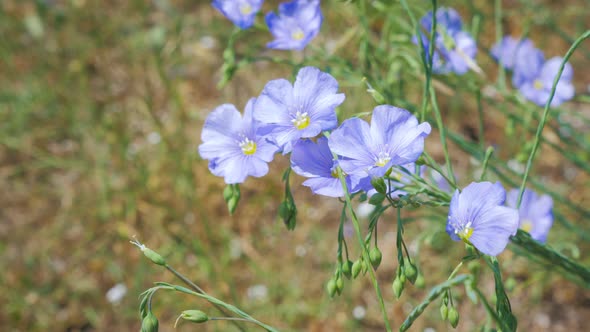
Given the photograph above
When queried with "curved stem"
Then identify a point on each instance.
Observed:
(546, 113)
(363, 248)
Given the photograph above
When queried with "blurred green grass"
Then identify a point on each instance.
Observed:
(101, 106)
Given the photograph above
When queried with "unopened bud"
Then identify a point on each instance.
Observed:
(420, 282)
(402, 276)
(453, 317)
(356, 268)
(379, 185)
(410, 272)
(228, 192)
(331, 287)
(150, 254)
(444, 312)
(398, 287)
(346, 269)
(365, 267)
(149, 323)
(339, 285)
(195, 316)
(232, 204)
(375, 257)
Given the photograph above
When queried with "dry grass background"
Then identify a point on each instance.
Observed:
(101, 106)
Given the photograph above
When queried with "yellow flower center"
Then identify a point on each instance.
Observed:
(248, 147)
(526, 225)
(298, 34)
(538, 84)
(301, 120)
(382, 159)
(465, 232)
(245, 9)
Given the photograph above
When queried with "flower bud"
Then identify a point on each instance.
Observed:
(375, 256)
(331, 287)
(195, 316)
(444, 312)
(377, 96)
(150, 254)
(232, 204)
(420, 282)
(339, 285)
(365, 267)
(228, 192)
(398, 287)
(346, 268)
(379, 185)
(410, 272)
(402, 275)
(453, 317)
(356, 268)
(149, 323)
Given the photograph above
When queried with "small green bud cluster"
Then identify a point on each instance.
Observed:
(449, 312)
(335, 285)
(231, 195)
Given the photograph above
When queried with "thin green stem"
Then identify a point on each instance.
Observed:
(363, 248)
(546, 113)
(498, 24)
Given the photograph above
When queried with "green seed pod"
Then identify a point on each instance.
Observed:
(228, 192)
(379, 185)
(375, 256)
(149, 323)
(153, 256)
(339, 285)
(398, 287)
(420, 282)
(365, 267)
(402, 275)
(232, 204)
(411, 272)
(444, 312)
(346, 268)
(331, 287)
(195, 316)
(453, 317)
(356, 268)
(377, 96)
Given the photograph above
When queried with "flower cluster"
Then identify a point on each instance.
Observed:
(532, 75)
(300, 119)
(295, 25)
(454, 49)
(289, 117)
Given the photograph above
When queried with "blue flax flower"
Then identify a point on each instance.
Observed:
(528, 62)
(296, 24)
(301, 110)
(536, 212)
(454, 49)
(394, 138)
(241, 12)
(477, 216)
(537, 87)
(233, 145)
(509, 49)
(316, 162)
